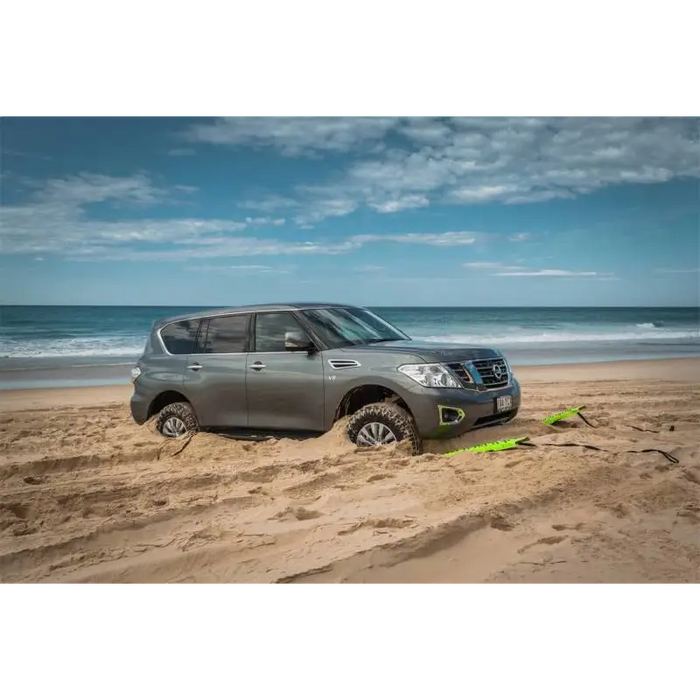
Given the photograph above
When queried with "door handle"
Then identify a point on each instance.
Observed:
(257, 366)
(195, 367)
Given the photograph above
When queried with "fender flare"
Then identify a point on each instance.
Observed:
(365, 383)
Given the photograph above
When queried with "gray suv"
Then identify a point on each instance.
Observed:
(297, 368)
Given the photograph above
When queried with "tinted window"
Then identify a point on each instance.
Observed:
(341, 327)
(270, 330)
(226, 334)
(179, 338)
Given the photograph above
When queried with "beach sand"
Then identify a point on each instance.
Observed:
(88, 496)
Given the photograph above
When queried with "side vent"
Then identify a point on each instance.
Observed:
(343, 364)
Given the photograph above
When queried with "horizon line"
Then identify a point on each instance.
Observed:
(380, 306)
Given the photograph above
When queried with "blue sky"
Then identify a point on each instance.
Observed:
(379, 211)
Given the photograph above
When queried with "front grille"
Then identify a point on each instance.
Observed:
(462, 374)
(494, 372)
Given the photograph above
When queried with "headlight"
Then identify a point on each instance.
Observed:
(433, 376)
(135, 373)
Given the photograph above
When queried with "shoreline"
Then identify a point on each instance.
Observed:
(61, 347)
(671, 371)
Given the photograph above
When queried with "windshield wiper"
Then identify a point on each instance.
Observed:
(380, 340)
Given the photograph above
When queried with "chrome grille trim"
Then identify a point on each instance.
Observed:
(461, 370)
(493, 372)
(481, 374)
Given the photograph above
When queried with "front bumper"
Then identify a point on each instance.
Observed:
(470, 409)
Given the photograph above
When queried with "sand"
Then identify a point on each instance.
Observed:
(88, 496)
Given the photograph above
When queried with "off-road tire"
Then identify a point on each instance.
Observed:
(394, 417)
(181, 410)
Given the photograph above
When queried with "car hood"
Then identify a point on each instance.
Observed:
(429, 352)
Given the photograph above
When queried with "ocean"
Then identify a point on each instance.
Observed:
(92, 345)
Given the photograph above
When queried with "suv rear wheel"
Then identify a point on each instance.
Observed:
(383, 424)
(177, 420)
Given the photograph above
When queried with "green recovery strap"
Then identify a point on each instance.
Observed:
(576, 411)
(516, 442)
(523, 442)
(565, 414)
(491, 446)
(550, 420)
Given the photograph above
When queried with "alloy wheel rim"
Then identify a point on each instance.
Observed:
(375, 434)
(174, 427)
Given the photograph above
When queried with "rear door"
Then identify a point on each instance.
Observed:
(168, 371)
(285, 388)
(215, 375)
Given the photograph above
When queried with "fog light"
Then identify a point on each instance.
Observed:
(450, 416)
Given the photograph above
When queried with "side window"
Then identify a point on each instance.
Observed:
(179, 338)
(270, 329)
(225, 334)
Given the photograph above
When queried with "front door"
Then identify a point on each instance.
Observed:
(285, 388)
(216, 372)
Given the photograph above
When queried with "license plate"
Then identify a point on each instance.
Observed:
(504, 403)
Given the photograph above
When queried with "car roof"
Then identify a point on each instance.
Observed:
(250, 309)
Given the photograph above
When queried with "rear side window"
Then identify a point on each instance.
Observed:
(225, 334)
(179, 338)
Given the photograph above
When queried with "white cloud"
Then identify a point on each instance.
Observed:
(491, 266)
(370, 268)
(239, 269)
(303, 213)
(447, 239)
(468, 161)
(519, 237)
(56, 221)
(498, 269)
(546, 273)
(482, 193)
(426, 131)
(24, 154)
(325, 208)
(292, 136)
(88, 188)
(269, 204)
(409, 201)
(211, 248)
(234, 246)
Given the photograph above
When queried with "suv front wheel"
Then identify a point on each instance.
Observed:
(383, 424)
(177, 420)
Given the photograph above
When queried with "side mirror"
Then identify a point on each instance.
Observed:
(298, 341)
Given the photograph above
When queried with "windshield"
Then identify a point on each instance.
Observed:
(342, 327)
